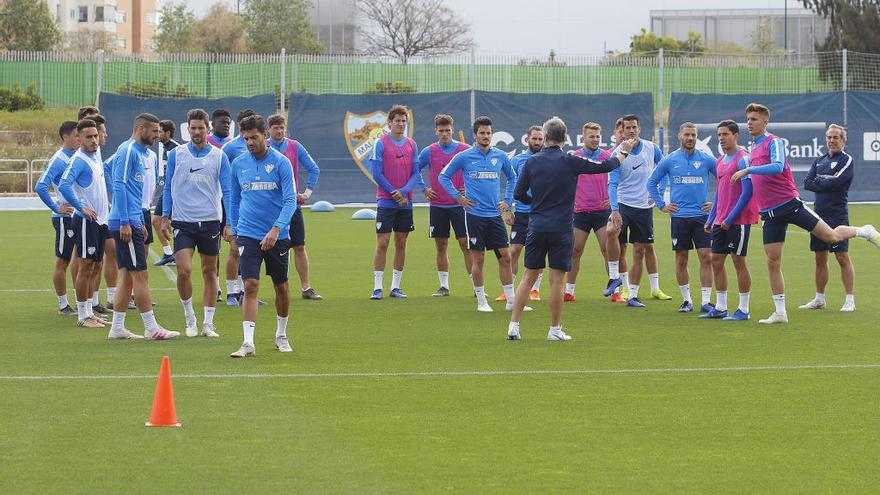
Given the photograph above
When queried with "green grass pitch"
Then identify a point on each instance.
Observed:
(660, 402)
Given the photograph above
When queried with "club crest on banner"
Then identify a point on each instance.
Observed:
(361, 132)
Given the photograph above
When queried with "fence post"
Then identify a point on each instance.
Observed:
(281, 90)
(660, 100)
(473, 85)
(99, 79)
(844, 86)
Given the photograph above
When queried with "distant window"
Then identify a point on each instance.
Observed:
(120, 17)
(120, 42)
(99, 13)
(152, 19)
(83, 14)
(73, 13)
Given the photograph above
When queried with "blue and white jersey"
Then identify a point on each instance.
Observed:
(235, 148)
(151, 172)
(688, 176)
(195, 180)
(627, 184)
(129, 172)
(262, 195)
(83, 186)
(482, 179)
(517, 163)
(52, 176)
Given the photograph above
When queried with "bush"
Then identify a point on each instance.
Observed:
(14, 100)
(383, 88)
(151, 89)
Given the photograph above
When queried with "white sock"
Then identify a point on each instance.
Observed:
(744, 301)
(167, 250)
(820, 297)
(63, 302)
(556, 328)
(706, 295)
(111, 294)
(444, 279)
(188, 307)
(654, 278)
(149, 319)
(239, 284)
(569, 289)
(613, 269)
(281, 329)
(118, 322)
(537, 284)
(218, 285)
(509, 293)
(480, 292)
(624, 279)
(82, 311)
(248, 330)
(230, 287)
(633, 291)
(779, 301)
(377, 280)
(863, 231)
(396, 276)
(95, 300)
(89, 309)
(685, 292)
(209, 314)
(513, 325)
(850, 299)
(721, 300)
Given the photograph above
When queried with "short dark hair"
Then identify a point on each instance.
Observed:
(194, 114)
(534, 128)
(85, 124)
(247, 112)
(630, 117)
(99, 119)
(731, 125)
(397, 110)
(145, 118)
(252, 122)
(759, 108)
(442, 119)
(220, 112)
(87, 110)
(66, 128)
(481, 121)
(277, 119)
(168, 125)
(618, 123)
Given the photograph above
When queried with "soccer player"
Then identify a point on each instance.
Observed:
(166, 144)
(830, 177)
(221, 121)
(109, 261)
(733, 213)
(481, 165)
(518, 217)
(687, 171)
(549, 182)
(83, 187)
(262, 201)
(395, 169)
(591, 206)
(151, 173)
(126, 225)
(196, 178)
(297, 154)
(61, 211)
(444, 211)
(780, 205)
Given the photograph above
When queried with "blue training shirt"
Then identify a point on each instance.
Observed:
(128, 185)
(262, 195)
(235, 148)
(517, 164)
(52, 176)
(482, 179)
(688, 176)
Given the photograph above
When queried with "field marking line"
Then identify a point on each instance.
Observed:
(168, 273)
(152, 289)
(415, 374)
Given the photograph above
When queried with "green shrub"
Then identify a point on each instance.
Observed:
(14, 100)
(151, 89)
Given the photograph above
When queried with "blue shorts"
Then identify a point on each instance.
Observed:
(776, 220)
(591, 220)
(396, 219)
(734, 240)
(520, 228)
(817, 244)
(89, 238)
(148, 223)
(204, 236)
(251, 256)
(688, 233)
(485, 233)
(65, 237)
(297, 229)
(442, 217)
(131, 255)
(554, 247)
(639, 222)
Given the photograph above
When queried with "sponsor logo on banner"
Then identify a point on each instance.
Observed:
(872, 146)
(361, 132)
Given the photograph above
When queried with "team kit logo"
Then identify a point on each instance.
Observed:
(361, 132)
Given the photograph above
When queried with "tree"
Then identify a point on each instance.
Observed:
(176, 33)
(271, 25)
(91, 40)
(27, 25)
(855, 26)
(220, 31)
(408, 28)
(762, 37)
(648, 43)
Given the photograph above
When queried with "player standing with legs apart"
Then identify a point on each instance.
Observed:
(395, 169)
(830, 178)
(551, 176)
(61, 211)
(126, 225)
(734, 211)
(444, 211)
(591, 206)
(297, 154)
(196, 178)
(166, 144)
(687, 171)
(481, 166)
(83, 187)
(262, 200)
(780, 205)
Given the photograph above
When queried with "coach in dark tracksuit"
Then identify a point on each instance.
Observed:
(552, 176)
(830, 178)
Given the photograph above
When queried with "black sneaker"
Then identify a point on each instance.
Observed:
(101, 309)
(67, 311)
(166, 259)
(311, 294)
(441, 292)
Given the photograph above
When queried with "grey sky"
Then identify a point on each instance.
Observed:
(567, 26)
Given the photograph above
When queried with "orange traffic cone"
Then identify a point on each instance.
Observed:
(163, 413)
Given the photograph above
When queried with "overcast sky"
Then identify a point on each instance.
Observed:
(567, 26)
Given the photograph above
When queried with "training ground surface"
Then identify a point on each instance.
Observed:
(425, 395)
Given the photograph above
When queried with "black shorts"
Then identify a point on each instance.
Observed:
(817, 244)
(148, 223)
(251, 256)
(520, 228)
(776, 220)
(131, 255)
(555, 247)
(440, 218)
(65, 237)
(734, 240)
(204, 236)
(89, 238)
(485, 233)
(396, 219)
(640, 224)
(688, 233)
(297, 229)
(158, 210)
(591, 220)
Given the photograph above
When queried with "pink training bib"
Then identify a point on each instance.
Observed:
(728, 194)
(397, 164)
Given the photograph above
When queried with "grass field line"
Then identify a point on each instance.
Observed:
(417, 374)
(168, 272)
(152, 289)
